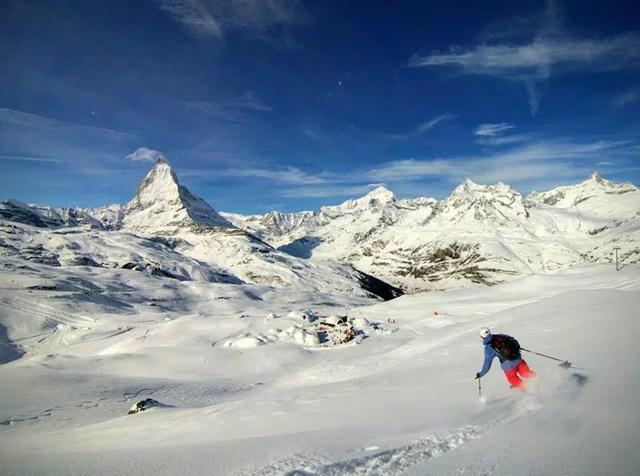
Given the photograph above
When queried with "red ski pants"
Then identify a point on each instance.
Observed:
(521, 370)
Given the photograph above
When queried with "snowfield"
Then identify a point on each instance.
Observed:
(261, 345)
(241, 394)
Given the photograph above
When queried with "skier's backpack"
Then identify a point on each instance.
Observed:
(507, 346)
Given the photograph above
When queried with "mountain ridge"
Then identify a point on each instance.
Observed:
(478, 235)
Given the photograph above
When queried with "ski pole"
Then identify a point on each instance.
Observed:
(479, 389)
(565, 363)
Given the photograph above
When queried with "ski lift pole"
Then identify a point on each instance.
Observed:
(565, 363)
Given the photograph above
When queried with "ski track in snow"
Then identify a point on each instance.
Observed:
(26, 418)
(34, 308)
(387, 462)
(395, 461)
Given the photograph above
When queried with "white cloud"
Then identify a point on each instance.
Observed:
(486, 130)
(535, 62)
(22, 158)
(194, 15)
(214, 18)
(288, 175)
(31, 138)
(424, 127)
(239, 109)
(539, 56)
(519, 164)
(329, 191)
(412, 169)
(144, 154)
(25, 120)
(506, 140)
(526, 165)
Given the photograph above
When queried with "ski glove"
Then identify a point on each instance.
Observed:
(477, 376)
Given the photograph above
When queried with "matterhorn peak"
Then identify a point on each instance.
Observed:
(160, 183)
(162, 205)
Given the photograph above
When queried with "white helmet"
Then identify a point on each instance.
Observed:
(484, 332)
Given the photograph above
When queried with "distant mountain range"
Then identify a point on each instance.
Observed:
(377, 244)
(168, 232)
(479, 234)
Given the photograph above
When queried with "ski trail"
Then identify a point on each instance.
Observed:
(395, 461)
(41, 309)
(392, 461)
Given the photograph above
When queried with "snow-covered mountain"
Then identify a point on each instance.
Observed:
(167, 231)
(480, 234)
(163, 206)
(16, 211)
(595, 187)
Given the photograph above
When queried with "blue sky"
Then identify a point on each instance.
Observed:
(275, 104)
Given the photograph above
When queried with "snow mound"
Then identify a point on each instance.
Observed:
(246, 341)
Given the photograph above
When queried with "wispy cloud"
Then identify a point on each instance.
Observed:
(486, 130)
(25, 120)
(194, 15)
(240, 109)
(22, 158)
(145, 154)
(534, 62)
(529, 165)
(281, 175)
(519, 164)
(215, 18)
(627, 98)
(422, 128)
(492, 134)
(504, 140)
(31, 138)
(329, 191)
(538, 57)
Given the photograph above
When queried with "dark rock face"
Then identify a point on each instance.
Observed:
(143, 405)
(378, 287)
(154, 270)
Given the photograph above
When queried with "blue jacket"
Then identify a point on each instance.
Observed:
(490, 353)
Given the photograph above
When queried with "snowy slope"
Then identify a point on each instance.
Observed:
(402, 402)
(78, 247)
(480, 234)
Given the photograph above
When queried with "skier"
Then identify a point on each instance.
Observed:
(507, 349)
